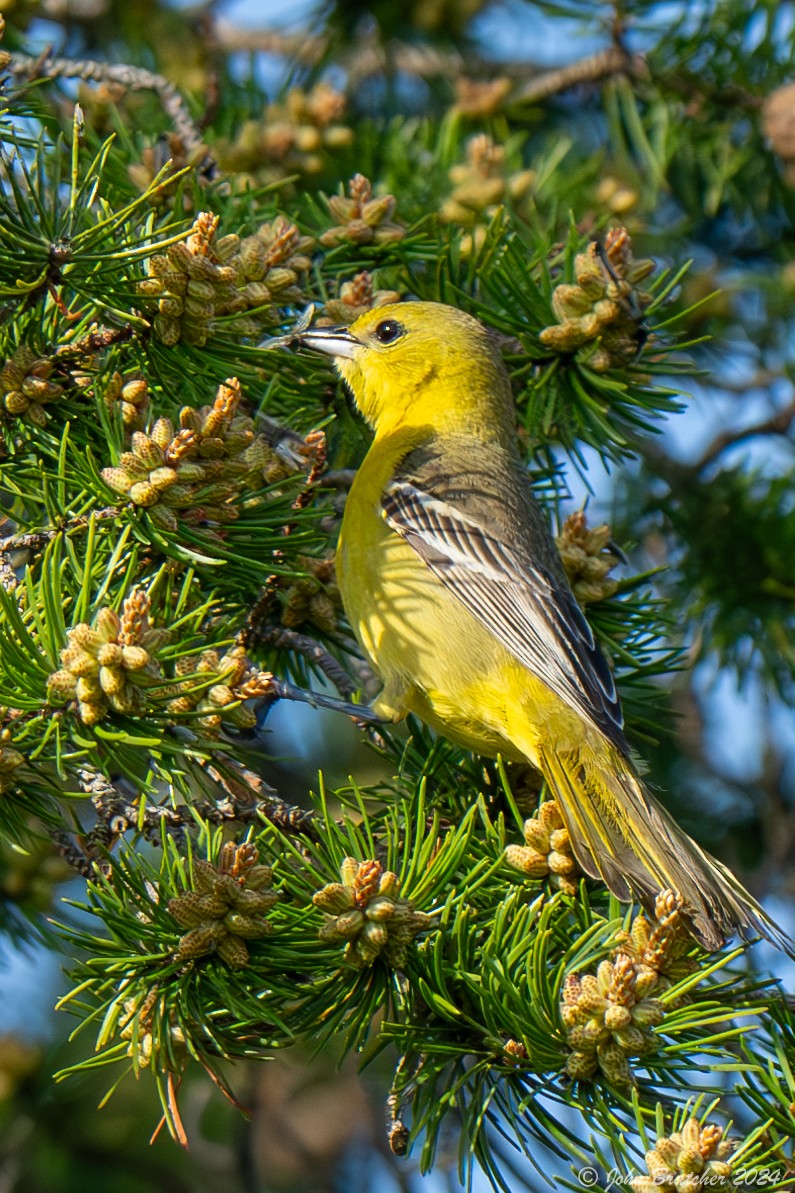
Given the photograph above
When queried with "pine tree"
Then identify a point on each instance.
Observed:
(172, 482)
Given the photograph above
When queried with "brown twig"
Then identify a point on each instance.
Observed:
(34, 540)
(207, 25)
(96, 341)
(697, 89)
(134, 78)
(247, 799)
(253, 799)
(284, 639)
(72, 854)
(272, 690)
(677, 473)
(778, 424)
(316, 451)
(762, 379)
(368, 57)
(340, 478)
(365, 58)
(299, 47)
(259, 612)
(592, 69)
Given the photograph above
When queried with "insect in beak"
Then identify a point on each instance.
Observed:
(334, 341)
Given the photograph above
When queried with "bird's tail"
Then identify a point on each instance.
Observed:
(620, 834)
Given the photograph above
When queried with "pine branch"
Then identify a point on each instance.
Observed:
(595, 68)
(245, 799)
(36, 540)
(135, 78)
(777, 424)
(284, 639)
(282, 690)
(413, 911)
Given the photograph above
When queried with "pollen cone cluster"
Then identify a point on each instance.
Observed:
(199, 468)
(778, 124)
(10, 762)
(137, 1027)
(366, 911)
(547, 851)
(360, 218)
(482, 182)
(658, 948)
(688, 1161)
(25, 386)
(131, 396)
(28, 879)
(355, 298)
(219, 702)
(110, 664)
(479, 98)
(587, 558)
(5, 57)
(599, 319)
(201, 279)
(227, 906)
(314, 598)
(608, 1017)
(294, 136)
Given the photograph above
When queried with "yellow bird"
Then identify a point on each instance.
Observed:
(455, 590)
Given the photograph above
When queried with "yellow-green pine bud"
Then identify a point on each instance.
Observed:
(61, 686)
(135, 657)
(614, 1064)
(582, 1066)
(246, 927)
(142, 493)
(111, 680)
(617, 1018)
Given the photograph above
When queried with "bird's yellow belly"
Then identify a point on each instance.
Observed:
(435, 658)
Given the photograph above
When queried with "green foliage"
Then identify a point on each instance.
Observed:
(738, 571)
(229, 582)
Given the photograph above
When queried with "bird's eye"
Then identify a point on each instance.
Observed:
(388, 331)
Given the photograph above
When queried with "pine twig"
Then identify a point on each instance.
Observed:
(135, 78)
(677, 473)
(369, 57)
(778, 424)
(281, 690)
(299, 47)
(340, 478)
(366, 57)
(247, 800)
(96, 341)
(761, 379)
(283, 639)
(34, 540)
(267, 805)
(592, 69)
(72, 854)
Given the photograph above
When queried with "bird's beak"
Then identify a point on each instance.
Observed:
(334, 341)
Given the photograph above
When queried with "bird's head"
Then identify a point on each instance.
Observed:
(421, 364)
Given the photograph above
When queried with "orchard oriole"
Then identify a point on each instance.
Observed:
(455, 590)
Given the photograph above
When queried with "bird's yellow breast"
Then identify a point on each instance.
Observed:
(435, 659)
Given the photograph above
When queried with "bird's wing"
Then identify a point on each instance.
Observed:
(505, 585)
